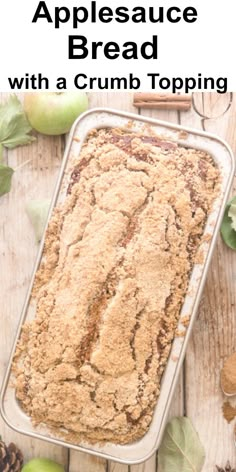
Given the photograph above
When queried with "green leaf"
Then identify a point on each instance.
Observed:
(37, 211)
(14, 127)
(227, 230)
(6, 174)
(181, 449)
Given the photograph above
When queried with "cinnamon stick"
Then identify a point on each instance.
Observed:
(163, 101)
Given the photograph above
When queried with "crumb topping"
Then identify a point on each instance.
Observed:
(108, 293)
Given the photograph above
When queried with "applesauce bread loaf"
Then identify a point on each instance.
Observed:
(116, 264)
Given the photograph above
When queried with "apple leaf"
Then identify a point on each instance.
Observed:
(228, 225)
(181, 449)
(37, 211)
(6, 174)
(14, 126)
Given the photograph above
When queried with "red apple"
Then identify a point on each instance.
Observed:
(53, 113)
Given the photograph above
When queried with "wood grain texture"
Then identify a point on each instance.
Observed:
(121, 101)
(148, 466)
(80, 462)
(18, 251)
(213, 112)
(116, 100)
(177, 405)
(214, 336)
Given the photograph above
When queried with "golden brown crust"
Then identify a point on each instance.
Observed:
(117, 259)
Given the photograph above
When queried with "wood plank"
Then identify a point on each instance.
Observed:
(18, 251)
(81, 462)
(177, 406)
(214, 333)
(212, 109)
(116, 467)
(121, 101)
(148, 466)
(117, 100)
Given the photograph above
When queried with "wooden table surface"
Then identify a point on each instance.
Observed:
(214, 335)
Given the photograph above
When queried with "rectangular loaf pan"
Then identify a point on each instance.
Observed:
(141, 450)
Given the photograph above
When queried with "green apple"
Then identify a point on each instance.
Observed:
(42, 465)
(53, 113)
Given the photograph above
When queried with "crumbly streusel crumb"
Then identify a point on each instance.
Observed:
(116, 265)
